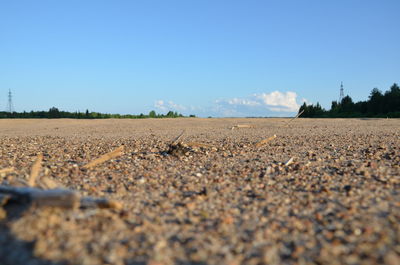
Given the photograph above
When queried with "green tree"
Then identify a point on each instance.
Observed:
(392, 99)
(152, 114)
(53, 113)
(347, 105)
(375, 103)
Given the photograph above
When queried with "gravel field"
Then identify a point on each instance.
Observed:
(324, 191)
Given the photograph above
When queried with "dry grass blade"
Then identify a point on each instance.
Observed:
(298, 115)
(6, 171)
(262, 142)
(35, 170)
(177, 138)
(117, 152)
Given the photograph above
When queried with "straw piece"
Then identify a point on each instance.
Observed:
(6, 171)
(262, 142)
(35, 170)
(290, 161)
(241, 126)
(48, 183)
(117, 152)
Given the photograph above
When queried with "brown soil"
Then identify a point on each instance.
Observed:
(322, 192)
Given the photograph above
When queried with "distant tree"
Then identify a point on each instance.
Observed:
(311, 111)
(54, 113)
(347, 105)
(302, 108)
(152, 114)
(334, 105)
(375, 103)
(392, 99)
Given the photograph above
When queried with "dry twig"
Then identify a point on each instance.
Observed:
(35, 170)
(56, 197)
(176, 139)
(298, 115)
(89, 202)
(117, 152)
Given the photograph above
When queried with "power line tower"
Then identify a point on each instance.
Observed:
(10, 107)
(341, 93)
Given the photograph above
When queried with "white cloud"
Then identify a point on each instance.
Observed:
(278, 101)
(176, 106)
(168, 105)
(241, 101)
(159, 104)
(275, 103)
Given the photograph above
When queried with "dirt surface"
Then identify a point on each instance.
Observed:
(322, 192)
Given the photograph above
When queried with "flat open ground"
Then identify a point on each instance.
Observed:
(224, 202)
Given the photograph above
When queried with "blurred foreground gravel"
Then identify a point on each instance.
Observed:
(337, 201)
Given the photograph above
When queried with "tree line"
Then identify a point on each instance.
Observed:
(55, 113)
(378, 105)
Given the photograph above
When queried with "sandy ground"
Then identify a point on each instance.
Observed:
(324, 191)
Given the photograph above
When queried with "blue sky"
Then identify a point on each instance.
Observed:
(218, 58)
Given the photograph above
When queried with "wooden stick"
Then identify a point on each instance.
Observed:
(35, 170)
(262, 142)
(117, 152)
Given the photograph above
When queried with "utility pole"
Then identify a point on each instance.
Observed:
(10, 107)
(341, 93)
